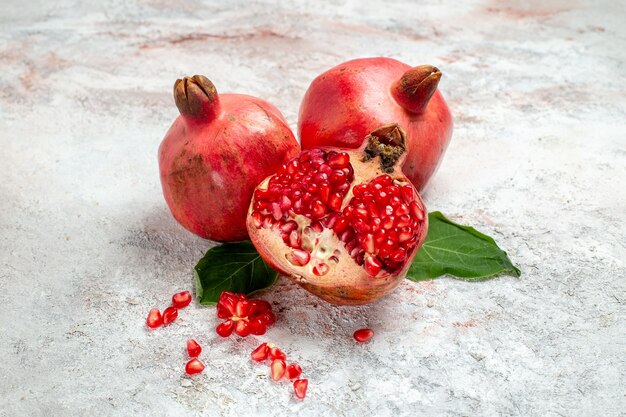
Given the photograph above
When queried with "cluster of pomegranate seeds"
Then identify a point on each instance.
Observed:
(363, 335)
(243, 316)
(312, 185)
(279, 369)
(179, 300)
(381, 224)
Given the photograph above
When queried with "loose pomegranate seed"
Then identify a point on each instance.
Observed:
(299, 387)
(276, 353)
(181, 299)
(169, 315)
(260, 353)
(225, 329)
(363, 335)
(154, 319)
(193, 348)
(194, 366)
(277, 369)
(293, 371)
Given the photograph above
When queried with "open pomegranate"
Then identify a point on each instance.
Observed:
(344, 224)
(345, 103)
(215, 153)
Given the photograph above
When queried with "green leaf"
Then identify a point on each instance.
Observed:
(235, 267)
(460, 251)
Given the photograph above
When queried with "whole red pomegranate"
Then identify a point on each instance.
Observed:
(214, 155)
(350, 100)
(344, 224)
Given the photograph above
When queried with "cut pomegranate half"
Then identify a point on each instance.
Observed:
(344, 224)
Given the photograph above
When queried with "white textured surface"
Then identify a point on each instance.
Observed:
(87, 246)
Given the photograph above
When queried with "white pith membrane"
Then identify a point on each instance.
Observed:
(314, 252)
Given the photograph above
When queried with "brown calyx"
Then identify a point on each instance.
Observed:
(415, 88)
(388, 142)
(196, 96)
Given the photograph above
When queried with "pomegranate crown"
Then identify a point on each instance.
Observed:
(196, 97)
(415, 88)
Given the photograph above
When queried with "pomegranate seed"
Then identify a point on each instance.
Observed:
(169, 315)
(260, 353)
(242, 308)
(385, 248)
(398, 255)
(372, 265)
(367, 242)
(407, 193)
(257, 327)
(318, 209)
(334, 201)
(226, 305)
(193, 348)
(404, 220)
(321, 269)
(401, 209)
(404, 234)
(298, 257)
(268, 318)
(277, 213)
(277, 369)
(242, 328)
(293, 371)
(194, 366)
(363, 335)
(383, 180)
(181, 299)
(225, 329)
(154, 319)
(299, 387)
(416, 210)
(276, 353)
(339, 160)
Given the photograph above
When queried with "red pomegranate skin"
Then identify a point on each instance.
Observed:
(215, 154)
(345, 103)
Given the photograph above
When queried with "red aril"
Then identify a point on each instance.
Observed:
(169, 315)
(299, 387)
(344, 224)
(293, 371)
(363, 335)
(193, 348)
(345, 103)
(181, 299)
(215, 153)
(277, 369)
(154, 319)
(243, 316)
(194, 366)
(226, 328)
(275, 353)
(260, 353)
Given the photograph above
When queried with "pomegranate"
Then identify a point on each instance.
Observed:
(215, 153)
(348, 101)
(343, 224)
